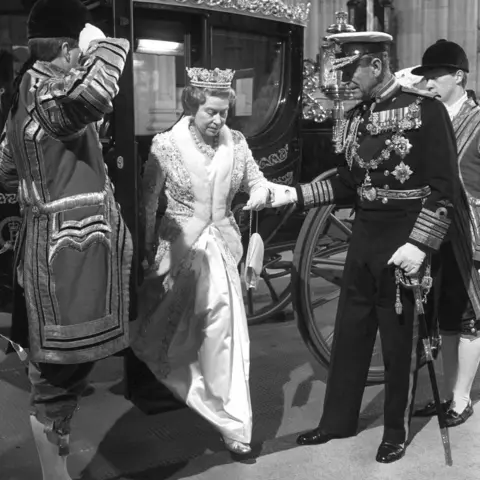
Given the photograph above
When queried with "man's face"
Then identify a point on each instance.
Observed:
(442, 82)
(362, 77)
(211, 116)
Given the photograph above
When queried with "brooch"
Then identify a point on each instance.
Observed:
(401, 145)
(402, 172)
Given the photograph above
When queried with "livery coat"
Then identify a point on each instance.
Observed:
(466, 234)
(74, 251)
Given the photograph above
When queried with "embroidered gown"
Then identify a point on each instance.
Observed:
(193, 331)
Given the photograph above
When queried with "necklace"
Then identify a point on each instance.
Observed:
(206, 149)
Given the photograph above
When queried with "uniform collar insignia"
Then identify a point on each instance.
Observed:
(386, 91)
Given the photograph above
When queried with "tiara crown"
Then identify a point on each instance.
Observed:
(214, 79)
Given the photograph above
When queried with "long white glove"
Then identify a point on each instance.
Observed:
(282, 195)
(409, 258)
(258, 199)
(88, 35)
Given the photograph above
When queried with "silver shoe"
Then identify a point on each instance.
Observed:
(237, 447)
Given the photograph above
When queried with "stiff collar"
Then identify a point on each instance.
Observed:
(454, 109)
(384, 92)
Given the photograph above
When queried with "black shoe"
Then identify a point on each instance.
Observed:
(317, 437)
(454, 419)
(390, 452)
(429, 410)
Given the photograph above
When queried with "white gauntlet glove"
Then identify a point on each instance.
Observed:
(258, 199)
(88, 35)
(282, 195)
(409, 258)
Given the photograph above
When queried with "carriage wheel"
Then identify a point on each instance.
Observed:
(318, 263)
(272, 294)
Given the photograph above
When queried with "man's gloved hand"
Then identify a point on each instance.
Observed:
(282, 195)
(409, 258)
(88, 35)
(258, 199)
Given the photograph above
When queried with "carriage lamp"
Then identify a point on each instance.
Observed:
(331, 78)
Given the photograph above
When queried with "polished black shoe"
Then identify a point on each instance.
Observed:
(390, 452)
(429, 410)
(454, 419)
(317, 437)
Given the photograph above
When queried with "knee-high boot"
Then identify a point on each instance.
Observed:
(54, 466)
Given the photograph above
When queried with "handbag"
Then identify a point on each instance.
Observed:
(254, 258)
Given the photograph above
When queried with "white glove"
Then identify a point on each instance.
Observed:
(282, 195)
(88, 35)
(258, 199)
(409, 258)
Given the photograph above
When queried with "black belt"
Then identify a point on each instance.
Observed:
(374, 193)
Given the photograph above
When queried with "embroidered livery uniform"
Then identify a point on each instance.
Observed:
(74, 251)
(400, 173)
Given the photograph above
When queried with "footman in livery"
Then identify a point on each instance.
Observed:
(400, 172)
(73, 252)
(445, 67)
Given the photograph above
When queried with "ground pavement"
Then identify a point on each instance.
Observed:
(114, 440)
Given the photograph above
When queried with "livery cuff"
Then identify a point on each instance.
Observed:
(430, 229)
(314, 194)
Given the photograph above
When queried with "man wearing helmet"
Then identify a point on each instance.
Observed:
(445, 67)
(74, 251)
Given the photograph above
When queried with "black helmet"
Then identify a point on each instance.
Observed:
(443, 54)
(57, 19)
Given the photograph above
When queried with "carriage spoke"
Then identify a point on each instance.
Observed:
(268, 283)
(338, 223)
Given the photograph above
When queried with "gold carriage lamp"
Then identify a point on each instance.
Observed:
(331, 76)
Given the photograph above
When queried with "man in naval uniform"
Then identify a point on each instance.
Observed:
(445, 67)
(400, 173)
(74, 252)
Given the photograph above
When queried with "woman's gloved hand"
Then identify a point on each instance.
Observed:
(258, 199)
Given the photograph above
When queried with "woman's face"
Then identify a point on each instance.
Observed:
(211, 116)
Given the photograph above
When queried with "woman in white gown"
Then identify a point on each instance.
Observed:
(193, 331)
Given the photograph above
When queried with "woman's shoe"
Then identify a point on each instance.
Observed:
(237, 447)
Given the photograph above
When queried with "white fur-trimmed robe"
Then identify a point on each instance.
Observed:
(193, 332)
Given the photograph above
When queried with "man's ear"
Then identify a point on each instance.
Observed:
(377, 67)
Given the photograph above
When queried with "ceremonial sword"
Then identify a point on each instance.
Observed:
(419, 288)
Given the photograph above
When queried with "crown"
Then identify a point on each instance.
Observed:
(214, 79)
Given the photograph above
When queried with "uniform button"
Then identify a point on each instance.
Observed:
(359, 134)
(384, 200)
(473, 330)
(386, 173)
(386, 187)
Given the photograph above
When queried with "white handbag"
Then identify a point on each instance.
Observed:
(254, 258)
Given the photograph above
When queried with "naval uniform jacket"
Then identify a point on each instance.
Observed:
(407, 147)
(74, 251)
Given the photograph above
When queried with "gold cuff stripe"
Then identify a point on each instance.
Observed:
(317, 193)
(430, 229)
(426, 239)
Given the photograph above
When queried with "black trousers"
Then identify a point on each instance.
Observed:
(366, 305)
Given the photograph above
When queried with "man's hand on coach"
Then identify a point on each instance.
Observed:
(409, 258)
